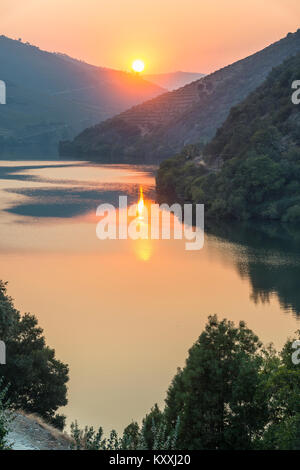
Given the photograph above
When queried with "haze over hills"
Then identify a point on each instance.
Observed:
(51, 97)
(172, 81)
(156, 129)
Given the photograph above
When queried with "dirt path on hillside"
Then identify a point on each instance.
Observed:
(28, 434)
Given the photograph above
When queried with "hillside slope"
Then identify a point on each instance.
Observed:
(172, 81)
(155, 130)
(251, 169)
(30, 432)
(52, 96)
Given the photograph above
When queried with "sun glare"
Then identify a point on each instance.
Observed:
(141, 204)
(138, 65)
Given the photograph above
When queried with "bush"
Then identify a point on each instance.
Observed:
(133, 438)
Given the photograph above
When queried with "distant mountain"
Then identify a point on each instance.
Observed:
(52, 96)
(251, 168)
(172, 81)
(156, 129)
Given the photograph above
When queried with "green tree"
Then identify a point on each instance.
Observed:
(36, 379)
(131, 436)
(152, 421)
(282, 389)
(217, 394)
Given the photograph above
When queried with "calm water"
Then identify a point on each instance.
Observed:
(123, 314)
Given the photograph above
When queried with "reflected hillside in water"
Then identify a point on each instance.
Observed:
(268, 255)
(43, 193)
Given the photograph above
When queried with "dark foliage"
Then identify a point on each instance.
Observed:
(235, 394)
(36, 380)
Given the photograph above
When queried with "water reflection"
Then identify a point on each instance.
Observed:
(268, 255)
(50, 192)
(143, 249)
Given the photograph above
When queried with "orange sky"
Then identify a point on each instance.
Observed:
(169, 35)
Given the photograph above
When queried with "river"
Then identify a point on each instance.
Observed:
(123, 313)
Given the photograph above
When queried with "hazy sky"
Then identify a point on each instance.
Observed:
(190, 35)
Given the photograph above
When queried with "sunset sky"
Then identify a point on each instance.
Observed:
(168, 35)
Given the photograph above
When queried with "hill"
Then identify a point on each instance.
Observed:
(51, 96)
(30, 432)
(174, 80)
(251, 168)
(156, 129)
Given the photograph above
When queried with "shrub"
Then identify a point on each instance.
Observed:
(133, 437)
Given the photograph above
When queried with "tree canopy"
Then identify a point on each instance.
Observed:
(35, 379)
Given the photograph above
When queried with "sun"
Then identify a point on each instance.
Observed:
(138, 65)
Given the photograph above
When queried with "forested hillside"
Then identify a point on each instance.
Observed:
(51, 96)
(157, 129)
(251, 169)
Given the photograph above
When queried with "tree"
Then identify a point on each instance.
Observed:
(217, 394)
(152, 421)
(36, 380)
(282, 389)
(233, 393)
(131, 436)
